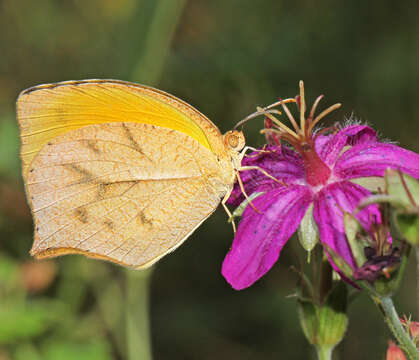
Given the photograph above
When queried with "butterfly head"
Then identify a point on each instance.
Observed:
(234, 140)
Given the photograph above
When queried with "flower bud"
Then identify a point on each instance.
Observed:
(324, 325)
(394, 352)
(308, 233)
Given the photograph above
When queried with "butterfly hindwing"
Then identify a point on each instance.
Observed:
(125, 192)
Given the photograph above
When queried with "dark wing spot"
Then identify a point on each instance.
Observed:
(87, 175)
(109, 224)
(92, 145)
(103, 189)
(81, 214)
(144, 219)
(131, 139)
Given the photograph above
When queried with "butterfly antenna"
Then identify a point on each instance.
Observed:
(263, 111)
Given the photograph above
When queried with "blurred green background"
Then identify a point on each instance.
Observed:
(223, 57)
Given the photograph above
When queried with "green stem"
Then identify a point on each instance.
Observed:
(137, 315)
(324, 352)
(149, 69)
(399, 332)
(326, 280)
(157, 43)
(417, 277)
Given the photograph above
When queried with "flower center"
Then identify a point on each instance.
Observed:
(317, 172)
(301, 137)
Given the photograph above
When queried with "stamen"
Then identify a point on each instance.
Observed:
(284, 136)
(280, 124)
(280, 102)
(314, 107)
(322, 131)
(291, 118)
(302, 106)
(322, 115)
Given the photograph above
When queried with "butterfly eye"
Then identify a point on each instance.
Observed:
(235, 140)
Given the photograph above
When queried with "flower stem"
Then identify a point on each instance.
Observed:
(326, 280)
(165, 18)
(324, 352)
(137, 325)
(417, 277)
(392, 318)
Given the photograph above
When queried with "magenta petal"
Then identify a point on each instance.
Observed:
(329, 147)
(372, 159)
(261, 236)
(328, 206)
(281, 162)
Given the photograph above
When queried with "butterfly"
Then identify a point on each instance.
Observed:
(120, 171)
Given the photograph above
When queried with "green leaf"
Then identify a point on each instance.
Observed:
(409, 226)
(27, 352)
(23, 321)
(373, 184)
(9, 147)
(94, 350)
(403, 190)
(9, 274)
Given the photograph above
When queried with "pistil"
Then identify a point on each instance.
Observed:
(317, 172)
(301, 137)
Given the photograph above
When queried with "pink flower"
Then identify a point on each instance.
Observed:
(318, 170)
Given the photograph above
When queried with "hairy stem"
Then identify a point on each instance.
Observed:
(385, 303)
(417, 277)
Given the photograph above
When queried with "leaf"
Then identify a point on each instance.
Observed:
(93, 350)
(9, 275)
(21, 321)
(372, 183)
(9, 148)
(403, 190)
(409, 226)
(26, 352)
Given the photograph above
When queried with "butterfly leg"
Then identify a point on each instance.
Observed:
(245, 149)
(264, 172)
(239, 180)
(230, 216)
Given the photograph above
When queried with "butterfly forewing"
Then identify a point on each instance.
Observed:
(48, 111)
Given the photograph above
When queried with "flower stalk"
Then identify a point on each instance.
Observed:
(324, 352)
(392, 319)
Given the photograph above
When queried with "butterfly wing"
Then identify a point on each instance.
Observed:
(47, 111)
(117, 170)
(125, 192)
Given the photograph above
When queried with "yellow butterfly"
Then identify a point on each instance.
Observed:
(120, 171)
